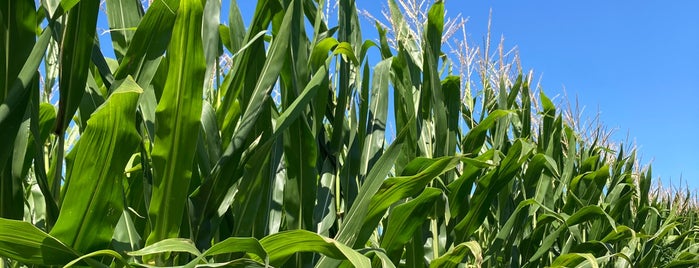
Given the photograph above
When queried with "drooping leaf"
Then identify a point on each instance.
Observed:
(168, 245)
(475, 138)
(403, 221)
(456, 256)
(394, 189)
(93, 199)
(281, 246)
(23, 242)
(574, 259)
(490, 185)
(149, 42)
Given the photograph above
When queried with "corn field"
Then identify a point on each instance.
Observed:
(202, 144)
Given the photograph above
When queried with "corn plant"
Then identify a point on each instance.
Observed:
(175, 152)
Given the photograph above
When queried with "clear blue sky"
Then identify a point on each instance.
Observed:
(636, 62)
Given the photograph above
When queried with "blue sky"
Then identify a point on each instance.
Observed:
(635, 62)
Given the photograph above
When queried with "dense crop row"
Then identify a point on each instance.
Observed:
(175, 153)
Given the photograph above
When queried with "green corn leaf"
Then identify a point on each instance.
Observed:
(547, 242)
(452, 103)
(177, 123)
(12, 110)
(526, 112)
(347, 14)
(295, 109)
(247, 263)
(567, 172)
(684, 259)
(209, 143)
(404, 219)
(236, 27)
(86, 221)
(211, 43)
(126, 235)
(245, 203)
(404, 35)
(455, 256)
(385, 48)
(345, 49)
(238, 244)
(357, 214)
(404, 107)
(394, 189)
(314, 13)
(378, 113)
(320, 52)
(123, 18)
(281, 246)
(475, 138)
(538, 180)
(415, 250)
(431, 95)
(302, 177)
(549, 116)
(382, 257)
(167, 246)
(460, 189)
(91, 100)
(225, 37)
(23, 242)
(19, 24)
(50, 6)
(300, 150)
(230, 245)
(41, 124)
(585, 214)
(103, 69)
(574, 259)
(253, 200)
(351, 173)
(149, 42)
(60, 7)
(248, 70)
(325, 212)
(490, 185)
(105, 253)
(209, 196)
(76, 48)
(621, 232)
(507, 229)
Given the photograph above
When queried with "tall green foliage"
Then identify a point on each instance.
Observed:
(177, 153)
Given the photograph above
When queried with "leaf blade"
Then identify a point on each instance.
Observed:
(178, 116)
(101, 155)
